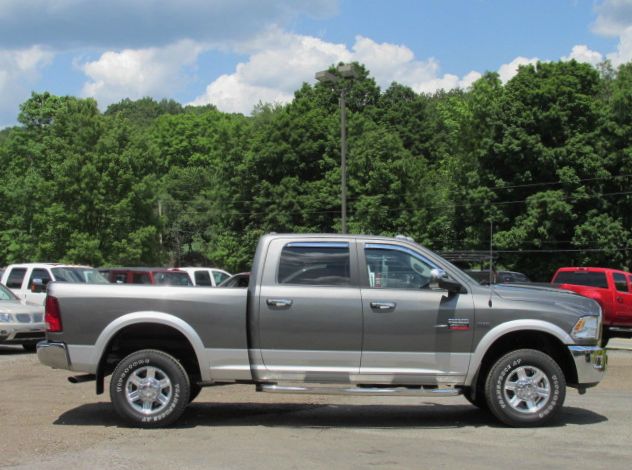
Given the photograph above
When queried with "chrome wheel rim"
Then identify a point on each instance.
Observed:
(527, 389)
(148, 390)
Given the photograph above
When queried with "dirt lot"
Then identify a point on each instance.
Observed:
(45, 422)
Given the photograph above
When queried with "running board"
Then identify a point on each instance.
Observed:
(620, 329)
(368, 391)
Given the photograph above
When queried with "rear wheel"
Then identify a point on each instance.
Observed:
(525, 388)
(149, 389)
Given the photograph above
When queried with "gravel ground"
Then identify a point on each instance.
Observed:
(46, 422)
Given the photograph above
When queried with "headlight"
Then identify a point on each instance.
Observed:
(586, 328)
(6, 318)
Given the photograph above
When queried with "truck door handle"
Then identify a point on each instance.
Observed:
(383, 306)
(620, 300)
(279, 303)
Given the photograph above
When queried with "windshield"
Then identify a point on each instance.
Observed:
(582, 278)
(78, 275)
(6, 294)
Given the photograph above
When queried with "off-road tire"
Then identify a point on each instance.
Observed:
(525, 388)
(149, 389)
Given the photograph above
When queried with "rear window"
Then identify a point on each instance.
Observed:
(582, 278)
(315, 264)
(202, 278)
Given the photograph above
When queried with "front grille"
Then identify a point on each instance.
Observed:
(38, 317)
(30, 335)
(23, 318)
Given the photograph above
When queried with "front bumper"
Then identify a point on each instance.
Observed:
(590, 362)
(21, 333)
(53, 354)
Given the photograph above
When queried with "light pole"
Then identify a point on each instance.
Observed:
(344, 71)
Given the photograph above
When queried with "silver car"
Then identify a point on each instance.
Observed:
(20, 323)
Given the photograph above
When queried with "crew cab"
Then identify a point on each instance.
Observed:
(610, 288)
(28, 280)
(330, 314)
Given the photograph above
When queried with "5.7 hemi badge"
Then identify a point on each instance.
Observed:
(458, 323)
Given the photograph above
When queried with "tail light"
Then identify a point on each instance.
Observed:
(52, 315)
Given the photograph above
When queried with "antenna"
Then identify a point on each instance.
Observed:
(491, 260)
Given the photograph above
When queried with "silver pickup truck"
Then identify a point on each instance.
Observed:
(330, 314)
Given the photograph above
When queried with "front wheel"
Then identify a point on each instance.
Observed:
(149, 389)
(525, 388)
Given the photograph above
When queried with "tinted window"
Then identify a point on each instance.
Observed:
(39, 273)
(16, 276)
(219, 277)
(202, 278)
(141, 278)
(316, 264)
(582, 278)
(395, 269)
(173, 278)
(619, 282)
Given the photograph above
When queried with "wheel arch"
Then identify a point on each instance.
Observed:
(522, 334)
(149, 330)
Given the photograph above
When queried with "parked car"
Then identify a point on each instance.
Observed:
(20, 323)
(209, 277)
(155, 276)
(29, 280)
(236, 280)
(339, 314)
(611, 288)
(498, 277)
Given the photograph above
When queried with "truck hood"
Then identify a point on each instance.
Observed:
(549, 295)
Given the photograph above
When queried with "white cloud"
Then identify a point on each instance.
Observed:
(19, 70)
(613, 17)
(280, 62)
(623, 53)
(507, 71)
(581, 53)
(135, 73)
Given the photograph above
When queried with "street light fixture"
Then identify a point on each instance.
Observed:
(344, 71)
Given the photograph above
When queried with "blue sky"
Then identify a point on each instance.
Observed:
(235, 53)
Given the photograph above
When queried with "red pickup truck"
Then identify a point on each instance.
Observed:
(611, 288)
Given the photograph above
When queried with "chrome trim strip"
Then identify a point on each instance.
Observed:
(367, 391)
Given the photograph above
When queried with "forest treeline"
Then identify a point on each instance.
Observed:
(545, 157)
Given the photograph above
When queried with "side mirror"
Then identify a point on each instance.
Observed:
(441, 280)
(38, 286)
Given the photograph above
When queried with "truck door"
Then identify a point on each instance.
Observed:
(310, 312)
(413, 333)
(622, 299)
(37, 298)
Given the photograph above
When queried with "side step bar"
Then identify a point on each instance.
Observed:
(367, 391)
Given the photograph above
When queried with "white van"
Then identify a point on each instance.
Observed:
(209, 277)
(28, 280)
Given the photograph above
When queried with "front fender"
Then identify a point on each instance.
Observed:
(511, 326)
